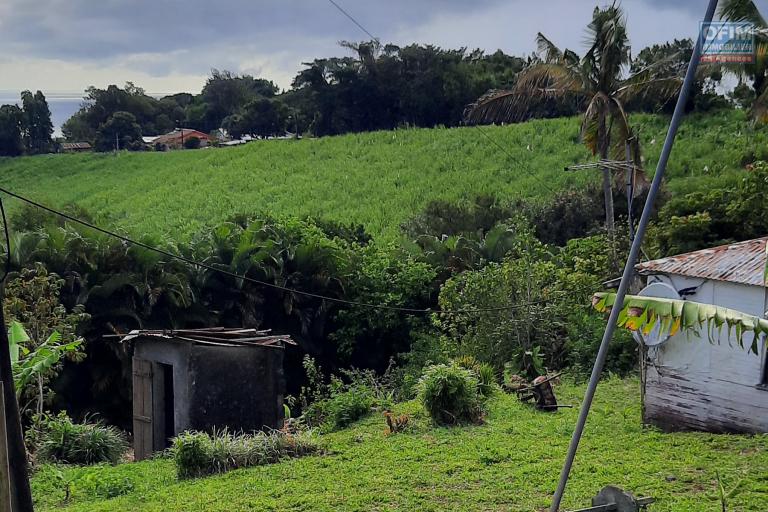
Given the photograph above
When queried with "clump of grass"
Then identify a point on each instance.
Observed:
(59, 439)
(450, 394)
(198, 454)
(485, 373)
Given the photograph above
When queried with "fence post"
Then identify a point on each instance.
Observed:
(5, 473)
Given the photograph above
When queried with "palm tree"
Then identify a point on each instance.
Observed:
(746, 10)
(597, 80)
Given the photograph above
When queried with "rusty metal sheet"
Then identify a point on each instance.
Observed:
(742, 262)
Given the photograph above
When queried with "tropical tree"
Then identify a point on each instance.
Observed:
(597, 80)
(11, 122)
(42, 332)
(38, 127)
(747, 11)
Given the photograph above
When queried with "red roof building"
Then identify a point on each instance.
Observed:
(176, 138)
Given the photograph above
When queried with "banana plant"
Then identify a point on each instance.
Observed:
(673, 315)
(30, 366)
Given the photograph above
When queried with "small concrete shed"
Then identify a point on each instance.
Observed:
(690, 383)
(204, 379)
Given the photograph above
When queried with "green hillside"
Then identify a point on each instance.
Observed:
(378, 179)
(510, 463)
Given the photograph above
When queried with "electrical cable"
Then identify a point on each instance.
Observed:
(7, 268)
(212, 268)
(359, 25)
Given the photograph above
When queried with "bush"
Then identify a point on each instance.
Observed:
(59, 439)
(485, 373)
(344, 406)
(198, 454)
(450, 394)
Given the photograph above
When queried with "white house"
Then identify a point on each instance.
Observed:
(691, 383)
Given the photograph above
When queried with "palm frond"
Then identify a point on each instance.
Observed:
(760, 108)
(495, 106)
(547, 50)
(741, 10)
(594, 124)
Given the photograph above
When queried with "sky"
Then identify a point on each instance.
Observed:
(167, 46)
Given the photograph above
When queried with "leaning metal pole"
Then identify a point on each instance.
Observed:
(631, 259)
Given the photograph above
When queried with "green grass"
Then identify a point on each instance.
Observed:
(509, 464)
(378, 179)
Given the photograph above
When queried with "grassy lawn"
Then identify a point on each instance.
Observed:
(509, 464)
(378, 179)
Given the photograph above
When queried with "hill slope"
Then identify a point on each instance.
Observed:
(378, 179)
(509, 464)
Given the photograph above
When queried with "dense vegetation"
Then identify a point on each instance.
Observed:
(509, 463)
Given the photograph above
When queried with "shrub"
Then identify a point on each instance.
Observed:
(198, 454)
(192, 454)
(345, 405)
(450, 394)
(59, 439)
(348, 406)
(486, 375)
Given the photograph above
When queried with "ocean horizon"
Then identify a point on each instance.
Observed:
(62, 105)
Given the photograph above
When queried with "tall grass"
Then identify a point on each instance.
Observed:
(378, 179)
(198, 454)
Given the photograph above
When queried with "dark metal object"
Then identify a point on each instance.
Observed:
(634, 252)
(542, 393)
(613, 499)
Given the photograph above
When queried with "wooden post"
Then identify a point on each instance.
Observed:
(5, 474)
(17, 453)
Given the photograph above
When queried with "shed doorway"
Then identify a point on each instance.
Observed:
(153, 407)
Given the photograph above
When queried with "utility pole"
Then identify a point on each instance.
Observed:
(629, 266)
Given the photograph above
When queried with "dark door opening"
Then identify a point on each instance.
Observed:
(169, 430)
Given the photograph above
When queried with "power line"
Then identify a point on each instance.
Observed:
(359, 25)
(491, 139)
(206, 266)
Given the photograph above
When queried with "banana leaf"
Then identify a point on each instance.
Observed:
(644, 313)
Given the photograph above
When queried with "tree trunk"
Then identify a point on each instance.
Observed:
(608, 193)
(603, 141)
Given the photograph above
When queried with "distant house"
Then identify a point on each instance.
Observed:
(693, 384)
(176, 139)
(75, 147)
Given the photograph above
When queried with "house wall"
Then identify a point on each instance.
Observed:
(692, 383)
(240, 388)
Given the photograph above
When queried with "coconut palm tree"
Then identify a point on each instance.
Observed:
(597, 80)
(746, 10)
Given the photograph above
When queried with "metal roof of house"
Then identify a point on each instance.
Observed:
(75, 145)
(742, 262)
(221, 336)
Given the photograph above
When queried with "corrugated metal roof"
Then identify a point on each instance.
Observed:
(742, 262)
(212, 336)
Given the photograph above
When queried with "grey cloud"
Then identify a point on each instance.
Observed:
(86, 29)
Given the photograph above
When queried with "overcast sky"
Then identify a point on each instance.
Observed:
(170, 45)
